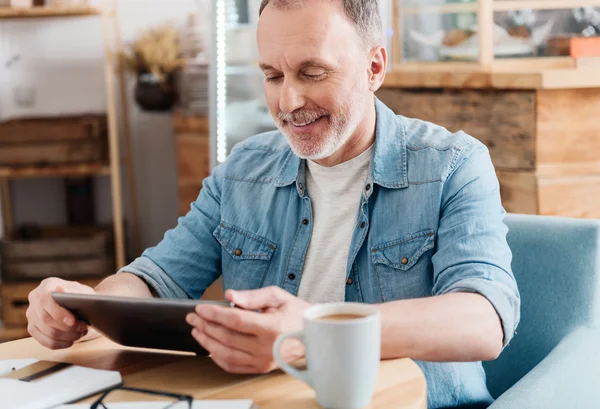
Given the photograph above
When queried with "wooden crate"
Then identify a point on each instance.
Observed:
(66, 252)
(545, 144)
(14, 301)
(51, 141)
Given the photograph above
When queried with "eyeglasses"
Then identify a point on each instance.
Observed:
(173, 401)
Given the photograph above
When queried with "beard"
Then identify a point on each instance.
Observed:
(339, 127)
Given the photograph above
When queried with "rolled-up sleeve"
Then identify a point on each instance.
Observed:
(188, 258)
(472, 252)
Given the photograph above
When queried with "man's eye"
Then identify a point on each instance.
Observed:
(315, 77)
(273, 78)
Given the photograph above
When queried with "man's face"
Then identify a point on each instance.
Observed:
(316, 79)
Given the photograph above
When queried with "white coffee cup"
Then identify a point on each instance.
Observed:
(342, 354)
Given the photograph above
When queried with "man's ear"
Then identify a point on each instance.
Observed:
(377, 67)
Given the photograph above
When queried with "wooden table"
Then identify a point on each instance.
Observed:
(401, 384)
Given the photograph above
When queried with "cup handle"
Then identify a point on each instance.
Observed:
(303, 375)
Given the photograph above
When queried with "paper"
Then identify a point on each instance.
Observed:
(197, 404)
(9, 365)
(67, 385)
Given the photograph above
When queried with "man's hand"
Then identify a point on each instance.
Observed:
(51, 325)
(240, 340)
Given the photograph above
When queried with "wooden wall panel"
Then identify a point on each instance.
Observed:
(568, 131)
(503, 120)
(576, 196)
(187, 194)
(518, 191)
(193, 163)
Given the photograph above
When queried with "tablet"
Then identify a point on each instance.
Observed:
(156, 323)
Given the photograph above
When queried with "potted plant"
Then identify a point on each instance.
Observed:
(154, 58)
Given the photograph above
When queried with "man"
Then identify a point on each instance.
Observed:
(347, 202)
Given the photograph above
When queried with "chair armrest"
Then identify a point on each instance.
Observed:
(569, 377)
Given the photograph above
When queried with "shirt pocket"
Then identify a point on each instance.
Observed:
(245, 257)
(401, 267)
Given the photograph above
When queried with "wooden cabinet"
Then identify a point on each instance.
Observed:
(544, 143)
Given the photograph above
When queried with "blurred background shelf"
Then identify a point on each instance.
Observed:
(75, 148)
(508, 5)
(40, 12)
(85, 169)
(497, 5)
(438, 9)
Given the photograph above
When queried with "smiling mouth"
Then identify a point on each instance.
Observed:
(301, 124)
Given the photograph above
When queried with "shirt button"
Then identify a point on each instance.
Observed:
(362, 225)
(292, 276)
(404, 260)
(238, 252)
(305, 221)
(368, 187)
(301, 186)
(349, 281)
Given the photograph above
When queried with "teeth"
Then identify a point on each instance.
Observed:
(306, 123)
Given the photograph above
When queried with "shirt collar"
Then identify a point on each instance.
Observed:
(389, 168)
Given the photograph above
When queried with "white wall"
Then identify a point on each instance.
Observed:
(62, 61)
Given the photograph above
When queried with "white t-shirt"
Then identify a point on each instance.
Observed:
(335, 193)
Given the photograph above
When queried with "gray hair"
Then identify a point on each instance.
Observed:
(363, 14)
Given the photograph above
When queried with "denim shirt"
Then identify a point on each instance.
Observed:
(429, 222)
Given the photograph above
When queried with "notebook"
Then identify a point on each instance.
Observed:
(35, 384)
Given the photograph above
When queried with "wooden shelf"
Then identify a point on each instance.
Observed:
(457, 75)
(507, 5)
(498, 5)
(54, 171)
(39, 12)
(438, 9)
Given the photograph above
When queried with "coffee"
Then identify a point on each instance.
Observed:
(339, 317)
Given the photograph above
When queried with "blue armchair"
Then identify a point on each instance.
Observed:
(554, 359)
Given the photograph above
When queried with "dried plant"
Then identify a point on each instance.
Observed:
(157, 51)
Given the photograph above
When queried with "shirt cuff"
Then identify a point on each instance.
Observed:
(155, 277)
(502, 298)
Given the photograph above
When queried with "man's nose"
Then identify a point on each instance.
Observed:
(291, 97)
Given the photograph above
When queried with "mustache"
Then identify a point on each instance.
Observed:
(302, 115)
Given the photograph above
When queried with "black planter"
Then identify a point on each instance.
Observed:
(152, 95)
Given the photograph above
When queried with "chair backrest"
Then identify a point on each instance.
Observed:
(556, 262)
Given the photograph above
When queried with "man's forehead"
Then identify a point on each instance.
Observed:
(302, 63)
(302, 35)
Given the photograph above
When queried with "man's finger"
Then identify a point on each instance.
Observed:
(57, 312)
(221, 352)
(247, 322)
(46, 318)
(268, 297)
(57, 334)
(46, 341)
(229, 338)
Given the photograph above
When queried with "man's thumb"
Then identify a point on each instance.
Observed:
(269, 297)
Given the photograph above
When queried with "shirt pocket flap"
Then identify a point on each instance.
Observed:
(403, 253)
(243, 245)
